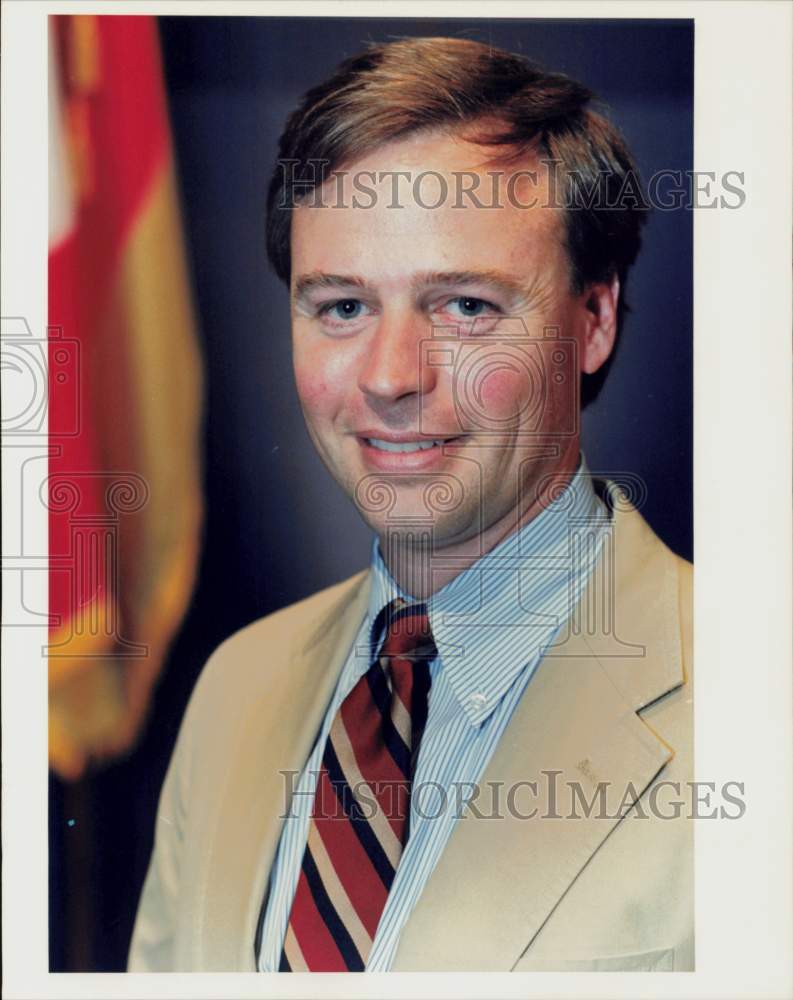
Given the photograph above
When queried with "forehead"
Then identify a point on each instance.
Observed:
(431, 200)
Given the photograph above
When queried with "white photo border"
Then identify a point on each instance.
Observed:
(742, 447)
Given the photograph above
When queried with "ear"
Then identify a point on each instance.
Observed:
(600, 323)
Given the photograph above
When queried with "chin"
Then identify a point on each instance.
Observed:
(419, 532)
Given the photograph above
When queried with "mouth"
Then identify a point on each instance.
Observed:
(407, 447)
(406, 454)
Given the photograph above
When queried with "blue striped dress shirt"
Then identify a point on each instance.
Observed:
(491, 625)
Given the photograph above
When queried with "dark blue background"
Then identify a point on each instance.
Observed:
(277, 526)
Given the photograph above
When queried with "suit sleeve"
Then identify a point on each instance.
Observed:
(152, 948)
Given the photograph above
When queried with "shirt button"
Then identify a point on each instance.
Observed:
(478, 700)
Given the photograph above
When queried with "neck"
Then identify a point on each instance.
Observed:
(421, 567)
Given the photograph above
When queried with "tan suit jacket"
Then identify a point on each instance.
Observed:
(610, 703)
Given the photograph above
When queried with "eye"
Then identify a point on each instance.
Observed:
(473, 316)
(342, 309)
(469, 307)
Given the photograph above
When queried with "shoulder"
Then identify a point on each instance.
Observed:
(250, 658)
(659, 598)
(290, 623)
(670, 578)
(638, 601)
(685, 586)
(651, 579)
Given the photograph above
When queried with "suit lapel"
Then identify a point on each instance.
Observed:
(499, 879)
(277, 730)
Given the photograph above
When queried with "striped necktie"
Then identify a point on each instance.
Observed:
(359, 820)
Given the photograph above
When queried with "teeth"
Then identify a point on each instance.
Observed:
(403, 446)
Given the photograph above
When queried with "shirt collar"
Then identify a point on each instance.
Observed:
(492, 621)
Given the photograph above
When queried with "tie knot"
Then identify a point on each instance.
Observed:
(408, 633)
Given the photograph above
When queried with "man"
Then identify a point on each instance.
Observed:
(456, 760)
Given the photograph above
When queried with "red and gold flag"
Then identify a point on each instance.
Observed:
(124, 487)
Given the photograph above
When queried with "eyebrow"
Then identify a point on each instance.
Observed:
(507, 283)
(500, 280)
(319, 279)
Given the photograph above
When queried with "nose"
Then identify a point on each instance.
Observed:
(393, 368)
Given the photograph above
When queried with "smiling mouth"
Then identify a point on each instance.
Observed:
(406, 447)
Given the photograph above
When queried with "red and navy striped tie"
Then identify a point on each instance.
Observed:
(359, 820)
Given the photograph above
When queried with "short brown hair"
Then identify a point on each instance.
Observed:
(413, 84)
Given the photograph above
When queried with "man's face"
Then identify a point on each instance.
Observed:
(423, 339)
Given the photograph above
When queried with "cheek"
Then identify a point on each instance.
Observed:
(504, 393)
(537, 392)
(322, 377)
(312, 388)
